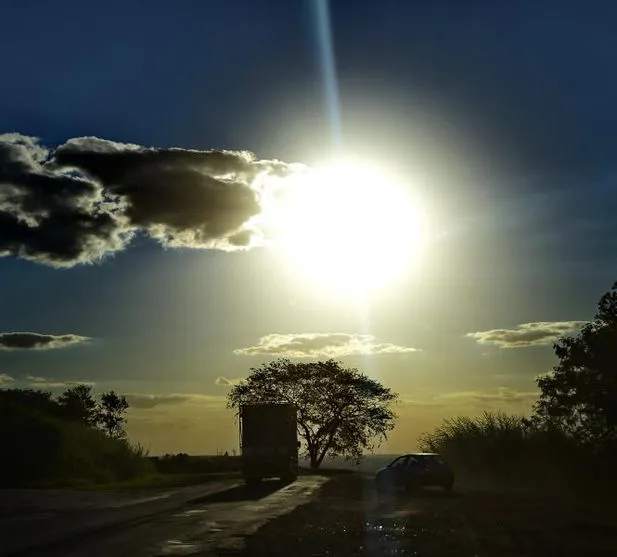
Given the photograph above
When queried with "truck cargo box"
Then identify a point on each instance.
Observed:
(269, 441)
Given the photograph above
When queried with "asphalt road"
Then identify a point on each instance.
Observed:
(351, 519)
(342, 517)
(206, 520)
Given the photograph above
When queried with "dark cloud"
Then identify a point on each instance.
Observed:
(52, 216)
(85, 199)
(36, 341)
(527, 334)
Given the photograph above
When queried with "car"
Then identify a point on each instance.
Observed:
(414, 471)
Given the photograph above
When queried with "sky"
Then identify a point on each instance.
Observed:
(422, 190)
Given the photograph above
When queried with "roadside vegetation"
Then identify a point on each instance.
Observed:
(72, 439)
(183, 463)
(569, 443)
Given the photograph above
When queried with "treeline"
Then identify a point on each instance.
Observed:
(183, 463)
(569, 443)
(73, 438)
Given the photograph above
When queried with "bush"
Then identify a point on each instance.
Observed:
(88, 454)
(29, 439)
(497, 448)
(40, 449)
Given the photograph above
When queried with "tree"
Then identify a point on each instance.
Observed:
(580, 394)
(111, 414)
(341, 412)
(78, 404)
(33, 399)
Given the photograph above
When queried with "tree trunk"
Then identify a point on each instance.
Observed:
(324, 451)
(315, 462)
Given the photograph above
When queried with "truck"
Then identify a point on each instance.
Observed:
(269, 441)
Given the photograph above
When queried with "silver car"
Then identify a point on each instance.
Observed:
(414, 471)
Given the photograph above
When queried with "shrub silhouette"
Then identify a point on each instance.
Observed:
(42, 446)
(507, 450)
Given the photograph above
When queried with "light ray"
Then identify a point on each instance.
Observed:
(327, 65)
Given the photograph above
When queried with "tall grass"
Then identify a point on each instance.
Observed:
(40, 449)
(497, 448)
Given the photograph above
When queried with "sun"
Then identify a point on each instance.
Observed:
(348, 227)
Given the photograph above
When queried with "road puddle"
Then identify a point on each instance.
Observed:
(226, 521)
(177, 547)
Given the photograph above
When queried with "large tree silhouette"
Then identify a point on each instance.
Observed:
(341, 412)
(580, 394)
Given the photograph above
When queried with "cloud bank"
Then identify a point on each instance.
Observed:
(527, 334)
(148, 401)
(321, 345)
(49, 383)
(226, 382)
(37, 341)
(6, 379)
(499, 397)
(87, 198)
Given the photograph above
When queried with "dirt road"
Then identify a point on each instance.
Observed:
(349, 518)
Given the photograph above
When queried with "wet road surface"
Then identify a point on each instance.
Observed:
(350, 518)
(217, 521)
(344, 516)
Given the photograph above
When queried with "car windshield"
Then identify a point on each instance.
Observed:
(431, 459)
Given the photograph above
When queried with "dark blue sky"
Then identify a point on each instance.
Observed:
(506, 111)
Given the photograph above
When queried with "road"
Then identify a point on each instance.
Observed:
(350, 518)
(342, 517)
(205, 520)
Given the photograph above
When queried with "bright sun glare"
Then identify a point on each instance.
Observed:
(349, 227)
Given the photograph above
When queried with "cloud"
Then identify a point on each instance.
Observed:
(52, 216)
(226, 382)
(527, 334)
(326, 345)
(87, 198)
(49, 383)
(5, 379)
(421, 402)
(147, 401)
(500, 396)
(37, 341)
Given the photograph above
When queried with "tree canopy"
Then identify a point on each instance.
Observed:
(341, 411)
(111, 414)
(77, 404)
(75, 436)
(580, 394)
